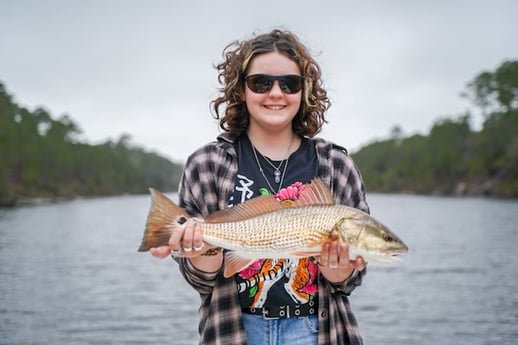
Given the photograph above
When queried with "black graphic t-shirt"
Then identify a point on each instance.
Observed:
(280, 281)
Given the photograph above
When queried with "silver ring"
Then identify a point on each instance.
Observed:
(333, 266)
(175, 253)
(198, 248)
(187, 249)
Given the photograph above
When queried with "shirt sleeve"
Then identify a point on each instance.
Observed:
(202, 282)
(350, 191)
(191, 185)
(350, 284)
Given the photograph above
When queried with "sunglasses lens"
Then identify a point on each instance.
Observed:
(291, 83)
(261, 83)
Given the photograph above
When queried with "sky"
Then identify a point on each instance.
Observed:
(146, 68)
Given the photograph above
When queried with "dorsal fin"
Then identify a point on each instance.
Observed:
(314, 193)
(251, 208)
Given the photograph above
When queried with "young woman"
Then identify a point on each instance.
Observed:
(271, 106)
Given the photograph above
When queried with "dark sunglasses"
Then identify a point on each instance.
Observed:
(261, 83)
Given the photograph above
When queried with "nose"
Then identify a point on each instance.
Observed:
(276, 88)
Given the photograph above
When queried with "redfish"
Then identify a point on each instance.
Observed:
(264, 227)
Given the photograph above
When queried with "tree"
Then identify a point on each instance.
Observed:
(495, 91)
(42, 157)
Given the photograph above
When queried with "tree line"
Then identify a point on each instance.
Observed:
(42, 157)
(454, 159)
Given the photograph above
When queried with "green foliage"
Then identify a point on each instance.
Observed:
(41, 157)
(452, 158)
(498, 90)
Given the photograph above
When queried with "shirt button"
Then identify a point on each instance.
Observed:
(323, 314)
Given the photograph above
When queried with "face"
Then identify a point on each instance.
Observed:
(273, 110)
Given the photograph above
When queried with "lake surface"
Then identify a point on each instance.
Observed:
(70, 274)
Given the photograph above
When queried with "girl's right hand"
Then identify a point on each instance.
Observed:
(186, 241)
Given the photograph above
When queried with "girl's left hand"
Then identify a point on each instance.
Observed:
(335, 263)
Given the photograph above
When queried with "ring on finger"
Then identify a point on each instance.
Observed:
(175, 253)
(198, 248)
(187, 249)
(333, 266)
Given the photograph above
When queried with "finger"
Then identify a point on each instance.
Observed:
(176, 253)
(333, 255)
(323, 260)
(358, 263)
(175, 241)
(160, 252)
(187, 239)
(197, 243)
(343, 256)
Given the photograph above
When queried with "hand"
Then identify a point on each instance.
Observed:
(186, 241)
(334, 260)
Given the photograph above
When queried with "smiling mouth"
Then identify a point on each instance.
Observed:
(274, 107)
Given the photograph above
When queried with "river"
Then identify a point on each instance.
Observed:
(70, 274)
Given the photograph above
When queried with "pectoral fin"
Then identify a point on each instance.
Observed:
(235, 263)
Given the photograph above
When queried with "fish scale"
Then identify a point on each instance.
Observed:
(293, 228)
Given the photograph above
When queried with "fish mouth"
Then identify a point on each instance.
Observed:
(391, 256)
(388, 258)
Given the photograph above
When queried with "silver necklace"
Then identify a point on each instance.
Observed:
(277, 170)
(279, 178)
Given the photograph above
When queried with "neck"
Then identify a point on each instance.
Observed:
(275, 146)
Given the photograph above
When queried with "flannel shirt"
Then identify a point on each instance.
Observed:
(208, 180)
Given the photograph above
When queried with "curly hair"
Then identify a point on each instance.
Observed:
(230, 109)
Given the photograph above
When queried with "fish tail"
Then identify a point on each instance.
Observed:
(163, 218)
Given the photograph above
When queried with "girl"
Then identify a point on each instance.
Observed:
(271, 106)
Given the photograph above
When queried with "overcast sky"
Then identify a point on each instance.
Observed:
(146, 67)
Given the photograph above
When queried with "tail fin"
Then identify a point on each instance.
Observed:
(164, 216)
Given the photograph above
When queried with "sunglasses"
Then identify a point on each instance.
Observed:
(261, 83)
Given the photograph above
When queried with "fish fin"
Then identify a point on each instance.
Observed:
(235, 263)
(164, 216)
(313, 248)
(249, 209)
(319, 242)
(314, 193)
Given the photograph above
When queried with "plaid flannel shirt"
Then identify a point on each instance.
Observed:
(207, 182)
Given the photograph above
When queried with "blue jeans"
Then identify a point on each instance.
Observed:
(292, 331)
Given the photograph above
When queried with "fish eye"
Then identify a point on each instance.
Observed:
(181, 220)
(388, 238)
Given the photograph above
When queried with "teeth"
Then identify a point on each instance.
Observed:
(275, 107)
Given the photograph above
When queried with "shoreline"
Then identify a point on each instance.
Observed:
(39, 201)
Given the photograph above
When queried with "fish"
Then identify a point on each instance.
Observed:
(268, 228)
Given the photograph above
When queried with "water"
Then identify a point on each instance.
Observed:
(70, 274)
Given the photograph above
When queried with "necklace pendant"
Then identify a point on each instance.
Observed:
(277, 175)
